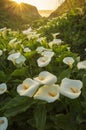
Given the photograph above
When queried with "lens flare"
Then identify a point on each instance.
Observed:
(18, 1)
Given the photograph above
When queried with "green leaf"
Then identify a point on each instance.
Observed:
(81, 118)
(17, 105)
(64, 122)
(84, 86)
(19, 72)
(2, 76)
(40, 117)
(65, 73)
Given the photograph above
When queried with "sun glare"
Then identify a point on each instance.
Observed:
(18, 1)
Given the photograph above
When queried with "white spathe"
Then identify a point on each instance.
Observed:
(43, 61)
(71, 88)
(1, 52)
(3, 123)
(26, 32)
(82, 65)
(48, 53)
(48, 93)
(16, 58)
(27, 49)
(46, 77)
(40, 49)
(69, 61)
(55, 42)
(3, 88)
(28, 87)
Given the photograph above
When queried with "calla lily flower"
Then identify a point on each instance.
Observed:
(40, 39)
(43, 61)
(16, 58)
(40, 49)
(48, 93)
(3, 29)
(69, 61)
(55, 34)
(82, 65)
(46, 77)
(27, 49)
(48, 53)
(71, 88)
(1, 52)
(3, 88)
(28, 87)
(55, 42)
(3, 123)
(26, 32)
(13, 43)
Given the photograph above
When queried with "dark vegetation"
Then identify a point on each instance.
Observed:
(17, 16)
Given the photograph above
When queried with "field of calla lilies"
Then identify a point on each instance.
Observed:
(42, 82)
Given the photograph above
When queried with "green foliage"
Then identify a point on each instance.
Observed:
(72, 29)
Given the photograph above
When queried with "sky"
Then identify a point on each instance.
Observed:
(44, 4)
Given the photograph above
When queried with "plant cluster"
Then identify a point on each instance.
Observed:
(42, 84)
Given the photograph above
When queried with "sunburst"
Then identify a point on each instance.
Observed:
(18, 1)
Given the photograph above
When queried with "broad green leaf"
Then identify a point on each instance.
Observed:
(81, 118)
(19, 72)
(2, 76)
(64, 122)
(84, 86)
(40, 117)
(17, 105)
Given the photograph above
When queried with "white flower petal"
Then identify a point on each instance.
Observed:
(28, 87)
(40, 49)
(48, 53)
(48, 93)
(1, 52)
(69, 61)
(43, 61)
(3, 123)
(3, 88)
(46, 77)
(71, 88)
(27, 49)
(82, 65)
(21, 59)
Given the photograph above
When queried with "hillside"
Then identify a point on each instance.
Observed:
(66, 6)
(14, 15)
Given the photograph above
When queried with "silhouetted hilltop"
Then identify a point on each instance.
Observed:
(14, 15)
(66, 6)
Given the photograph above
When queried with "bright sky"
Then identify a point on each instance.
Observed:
(43, 4)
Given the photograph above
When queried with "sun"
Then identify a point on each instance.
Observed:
(18, 1)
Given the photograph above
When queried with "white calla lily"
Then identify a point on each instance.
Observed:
(28, 87)
(48, 93)
(46, 77)
(26, 49)
(3, 123)
(40, 39)
(55, 34)
(82, 65)
(16, 58)
(1, 52)
(55, 42)
(43, 61)
(48, 53)
(69, 61)
(3, 88)
(40, 49)
(26, 32)
(71, 88)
